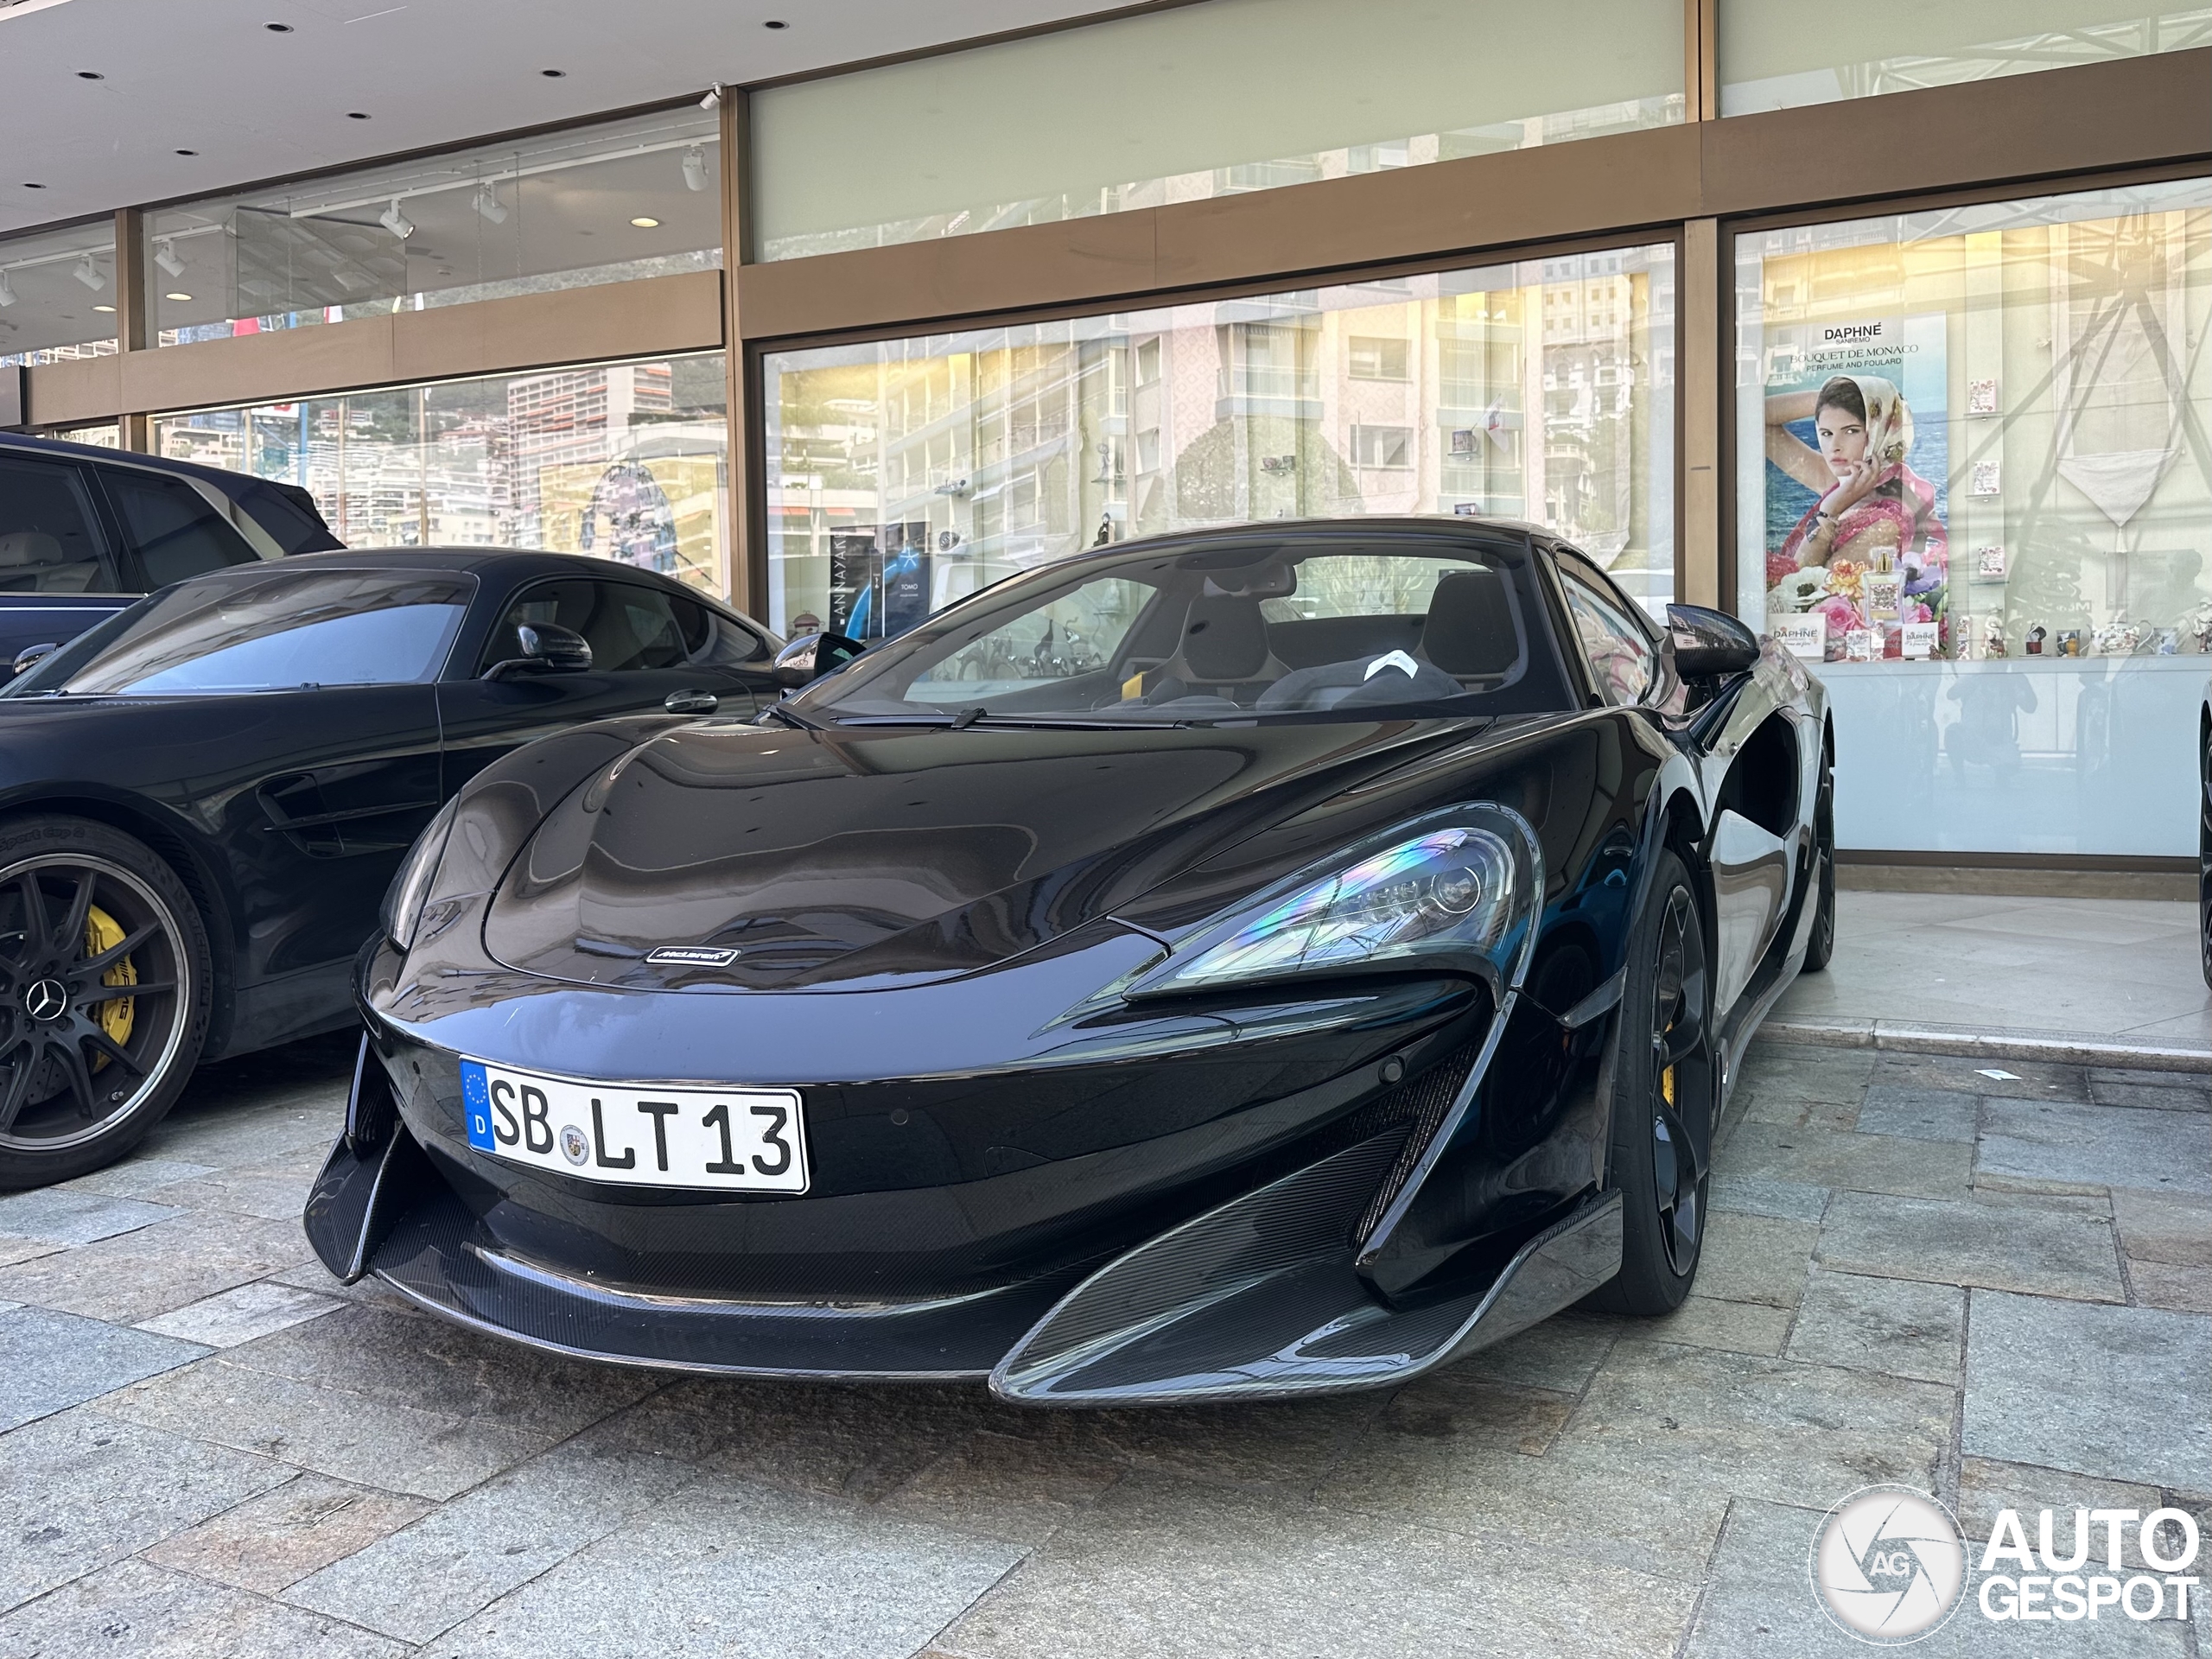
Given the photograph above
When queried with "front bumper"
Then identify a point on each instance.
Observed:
(1119, 1216)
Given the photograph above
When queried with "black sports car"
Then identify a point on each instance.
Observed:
(1257, 963)
(203, 799)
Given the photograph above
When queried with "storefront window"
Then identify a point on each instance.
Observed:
(57, 294)
(1777, 54)
(639, 197)
(906, 473)
(1251, 94)
(106, 435)
(1972, 483)
(625, 461)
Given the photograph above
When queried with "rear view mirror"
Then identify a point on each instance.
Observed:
(31, 654)
(547, 648)
(1710, 645)
(810, 655)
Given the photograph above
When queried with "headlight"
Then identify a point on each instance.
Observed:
(404, 899)
(1462, 886)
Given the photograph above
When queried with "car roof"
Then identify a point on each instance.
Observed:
(230, 482)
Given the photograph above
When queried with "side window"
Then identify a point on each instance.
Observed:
(712, 640)
(176, 531)
(1620, 656)
(49, 536)
(628, 628)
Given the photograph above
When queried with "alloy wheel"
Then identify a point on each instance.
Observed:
(1682, 1131)
(94, 981)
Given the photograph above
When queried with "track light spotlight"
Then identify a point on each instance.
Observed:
(394, 221)
(712, 100)
(165, 256)
(486, 202)
(695, 168)
(89, 274)
(7, 292)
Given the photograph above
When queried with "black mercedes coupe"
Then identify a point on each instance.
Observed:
(1258, 963)
(203, 799)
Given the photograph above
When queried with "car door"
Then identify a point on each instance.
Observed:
(647, 642)
(58, 568)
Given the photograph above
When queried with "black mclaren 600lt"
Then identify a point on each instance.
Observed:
(1258, 963)
(203, 799)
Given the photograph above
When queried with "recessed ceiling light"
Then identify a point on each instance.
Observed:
(176, 297)
(775, 22)
(278, 28)
(357, 114)
(552, 74)
(645, 223)
(28, 185)
(104, 308)
(187, 152)
(90, 75)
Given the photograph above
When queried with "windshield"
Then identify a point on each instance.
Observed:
(271, 630)
(1219, 630)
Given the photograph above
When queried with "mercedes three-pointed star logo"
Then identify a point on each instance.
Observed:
(46, 999)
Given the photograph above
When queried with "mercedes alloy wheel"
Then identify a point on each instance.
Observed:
(103, 994)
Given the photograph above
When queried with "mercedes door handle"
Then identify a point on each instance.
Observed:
(690, 703)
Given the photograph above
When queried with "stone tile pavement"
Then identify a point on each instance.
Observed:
(1999, 1288)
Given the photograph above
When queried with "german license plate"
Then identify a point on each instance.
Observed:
(638, 1134)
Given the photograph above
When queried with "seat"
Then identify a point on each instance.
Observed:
(1468, 634)
(1222, 656)
(33, 561)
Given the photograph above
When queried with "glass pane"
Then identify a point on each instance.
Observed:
(1972, 481)
(173, 529)
(289, 630)
(1254, 93)
(906, 473)
(50, 541)
(626, 460)
(57, 294)
(1779, 54)
(639, 197)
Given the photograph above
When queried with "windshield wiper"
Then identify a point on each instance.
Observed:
(965, 718)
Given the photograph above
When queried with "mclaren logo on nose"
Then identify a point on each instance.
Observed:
(691, 955)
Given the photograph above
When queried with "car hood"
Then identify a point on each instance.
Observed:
(865, 858)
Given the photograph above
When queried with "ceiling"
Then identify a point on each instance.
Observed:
(252, 103)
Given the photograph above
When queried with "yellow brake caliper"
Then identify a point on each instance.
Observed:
(103, 932)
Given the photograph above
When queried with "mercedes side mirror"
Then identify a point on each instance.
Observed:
(810, 655)
(31, 654)
(547, 648)
(1710, 645)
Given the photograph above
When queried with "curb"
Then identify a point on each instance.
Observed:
(2054, 1047)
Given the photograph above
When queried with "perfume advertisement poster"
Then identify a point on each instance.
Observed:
(1858, 548)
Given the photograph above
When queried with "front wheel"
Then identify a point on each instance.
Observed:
(1665, 1088)
(105, 985)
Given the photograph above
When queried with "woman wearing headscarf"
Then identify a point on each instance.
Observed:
(1873, 509)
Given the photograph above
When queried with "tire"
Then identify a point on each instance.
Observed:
(1820, 947)
(83, 908)
(1662, 1145)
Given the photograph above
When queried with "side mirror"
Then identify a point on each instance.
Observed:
(31, 654)
(1710, 645)
(810, 655)
(547, 648)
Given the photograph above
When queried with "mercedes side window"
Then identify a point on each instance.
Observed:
(630, 628)
(176, 531)
(712, 640)
(1622, 658)
(50, 541)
